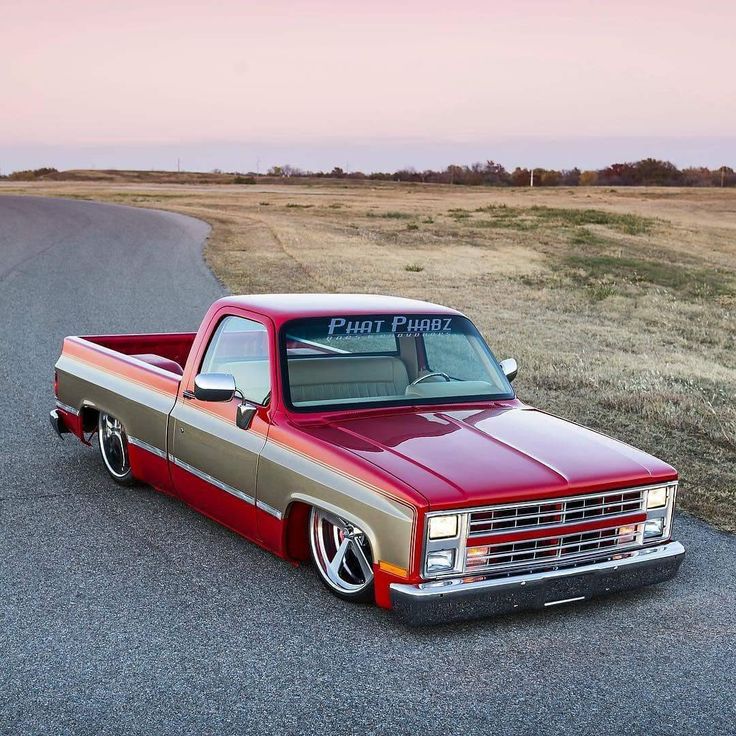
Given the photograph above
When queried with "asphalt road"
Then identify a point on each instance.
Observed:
(122, 611)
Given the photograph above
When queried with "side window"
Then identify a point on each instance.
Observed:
(239, 346)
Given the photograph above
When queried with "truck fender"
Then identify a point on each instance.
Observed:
(296, 515)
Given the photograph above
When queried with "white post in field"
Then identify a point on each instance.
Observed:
(531, 178)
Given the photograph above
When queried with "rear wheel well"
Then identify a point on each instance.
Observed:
(90, 417)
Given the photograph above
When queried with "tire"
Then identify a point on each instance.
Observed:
(342, 556)
(113, 442)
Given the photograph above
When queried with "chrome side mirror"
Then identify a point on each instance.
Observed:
(509, 368)
(244, 417)
(214, 387)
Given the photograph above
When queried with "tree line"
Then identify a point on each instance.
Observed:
(647, 172)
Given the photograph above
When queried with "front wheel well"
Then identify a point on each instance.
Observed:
(296, 531)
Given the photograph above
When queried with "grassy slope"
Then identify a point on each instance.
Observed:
(619, 305)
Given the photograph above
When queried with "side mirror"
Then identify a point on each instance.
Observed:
(244, 417)
(509, 368)
(214, 387)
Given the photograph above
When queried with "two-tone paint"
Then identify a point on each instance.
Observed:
(381, 469)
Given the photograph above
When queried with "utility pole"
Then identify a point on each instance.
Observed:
(531, 178)
(258, 166)
(723, 176)
(178, 166)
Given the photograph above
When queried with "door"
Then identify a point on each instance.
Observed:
(213, 461)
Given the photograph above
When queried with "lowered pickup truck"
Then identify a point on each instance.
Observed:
(380, 438)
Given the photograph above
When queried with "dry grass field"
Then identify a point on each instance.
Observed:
(619, 305)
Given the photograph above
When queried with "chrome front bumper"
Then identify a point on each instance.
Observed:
(469, 597)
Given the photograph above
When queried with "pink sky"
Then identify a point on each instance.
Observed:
(80, 73)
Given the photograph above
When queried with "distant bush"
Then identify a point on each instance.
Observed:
(520, 177)
(244, 179)
(394, 215)
(570, 177)
(588, 178)
(550, 178)
(31, 174)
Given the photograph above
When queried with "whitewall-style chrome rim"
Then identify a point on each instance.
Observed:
(113, 445)
(341, 551)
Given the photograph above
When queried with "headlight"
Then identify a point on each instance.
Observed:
(441, 561)
(660, 507)
(442, 527)
(653, 528)
(657, 497)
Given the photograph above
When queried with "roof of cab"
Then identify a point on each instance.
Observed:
(293, 306)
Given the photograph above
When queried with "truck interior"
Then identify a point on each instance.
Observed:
(374, 361)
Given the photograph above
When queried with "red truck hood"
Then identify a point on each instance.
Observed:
(467, 457)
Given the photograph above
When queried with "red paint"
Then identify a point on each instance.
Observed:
(295, 532)
(73, 422)
(428, 458)
(151, 468)
(174, 346)
(271, 532)
(486, 454)
(233, 512)
(382, 585)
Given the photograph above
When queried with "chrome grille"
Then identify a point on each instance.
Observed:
(552, 512)
(551, 550)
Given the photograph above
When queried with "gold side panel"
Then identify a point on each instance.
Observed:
(219, 448)
(142, 410)
(285, 476)
(216, 446)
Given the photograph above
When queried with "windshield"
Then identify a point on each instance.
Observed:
(389, 359)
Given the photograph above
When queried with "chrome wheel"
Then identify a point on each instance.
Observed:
(342, 555)
(114, 447)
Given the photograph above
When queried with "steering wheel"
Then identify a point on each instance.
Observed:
(430, 375)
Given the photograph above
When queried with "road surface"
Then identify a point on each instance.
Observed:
(122, 611)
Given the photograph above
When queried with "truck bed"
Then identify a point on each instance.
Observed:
(173, 346)
(133, 377)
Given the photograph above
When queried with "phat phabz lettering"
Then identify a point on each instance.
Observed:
(396, 324)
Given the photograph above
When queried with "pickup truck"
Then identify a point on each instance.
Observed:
(379, 438)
